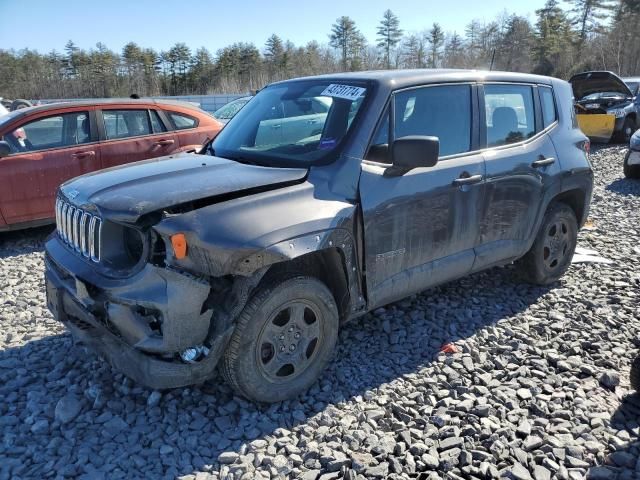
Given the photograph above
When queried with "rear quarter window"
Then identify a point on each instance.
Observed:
(549, 114)
(182, 121)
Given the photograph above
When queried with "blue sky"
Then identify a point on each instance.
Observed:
(49, 24)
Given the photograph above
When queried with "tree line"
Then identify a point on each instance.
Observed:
(587, 35)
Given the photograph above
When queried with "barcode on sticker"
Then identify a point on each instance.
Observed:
(343, 91)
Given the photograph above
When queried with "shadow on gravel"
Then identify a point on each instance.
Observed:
(22, 242)
(122, 429)
(623, 462)
(624, 186)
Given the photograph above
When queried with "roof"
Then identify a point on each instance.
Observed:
(394, 79)
(92, 102)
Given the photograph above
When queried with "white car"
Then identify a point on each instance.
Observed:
(3, 110)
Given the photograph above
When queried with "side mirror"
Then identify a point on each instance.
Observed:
(415, 151)
(5, 149)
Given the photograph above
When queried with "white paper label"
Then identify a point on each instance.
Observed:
(343, 91)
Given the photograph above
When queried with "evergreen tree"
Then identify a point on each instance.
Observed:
(344, 36)
(389, 35)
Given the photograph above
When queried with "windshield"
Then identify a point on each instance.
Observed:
(230, 109)
(291, 123)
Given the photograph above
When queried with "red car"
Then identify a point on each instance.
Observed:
(41, 147)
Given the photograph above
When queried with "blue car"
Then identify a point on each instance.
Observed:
(632, 160)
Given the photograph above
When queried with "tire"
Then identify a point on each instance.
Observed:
(628, 129)
(20, 103)
(552, 250)
(630, 171)
(634, 375)
(284, 337)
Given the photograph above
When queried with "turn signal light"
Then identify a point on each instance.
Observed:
(179, 244)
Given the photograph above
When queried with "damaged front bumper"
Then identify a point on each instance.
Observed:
(141, 323)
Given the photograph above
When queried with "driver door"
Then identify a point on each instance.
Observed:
(421, 227)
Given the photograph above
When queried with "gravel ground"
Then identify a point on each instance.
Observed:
(539, 387)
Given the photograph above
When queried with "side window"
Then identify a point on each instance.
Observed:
(51, 132)
(126, 123)
(443, 112)
(156, 124)
(182, 121)
(548, 106)
(510, 115)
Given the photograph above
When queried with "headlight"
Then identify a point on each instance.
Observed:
(617, 113)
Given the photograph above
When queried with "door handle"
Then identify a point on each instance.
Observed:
(276, 126)
(470, 180)
(88, 153)
(312, 122)
(543, 162)
(162, 143)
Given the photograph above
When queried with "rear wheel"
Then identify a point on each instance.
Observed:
(552, 251)
(631, 171)
(283, 339)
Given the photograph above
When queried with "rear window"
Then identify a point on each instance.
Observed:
(182, 121)
(126, 123)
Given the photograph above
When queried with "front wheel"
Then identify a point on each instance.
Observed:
(552, 251)
(283, 339)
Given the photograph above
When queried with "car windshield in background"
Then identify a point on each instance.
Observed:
(291, 123)
(230, 109)
(633, 86)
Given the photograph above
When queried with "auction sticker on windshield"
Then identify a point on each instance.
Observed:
(343, 91)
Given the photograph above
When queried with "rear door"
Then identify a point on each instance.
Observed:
(521, 164)
(47, 151)
(133, 134)
(421, 227)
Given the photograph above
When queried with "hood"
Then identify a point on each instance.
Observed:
(128, 192)
(586, 83)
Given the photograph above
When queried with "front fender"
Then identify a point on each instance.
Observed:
(243, 235)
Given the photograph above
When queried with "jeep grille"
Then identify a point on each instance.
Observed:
(79, 229)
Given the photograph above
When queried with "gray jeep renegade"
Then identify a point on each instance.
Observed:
(324, 198)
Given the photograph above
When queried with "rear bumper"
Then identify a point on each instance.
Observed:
(109, 321)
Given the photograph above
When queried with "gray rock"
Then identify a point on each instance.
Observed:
(228, 457)
(67, 408)
(609, 379)
(154, 399)
(520, 473)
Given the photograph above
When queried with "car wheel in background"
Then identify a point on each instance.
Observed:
(631, 171)
(552, 251)
(20, 103)
(628, 129)
(283, 339)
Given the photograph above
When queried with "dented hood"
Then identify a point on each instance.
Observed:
(128, 192)
(587, 83)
